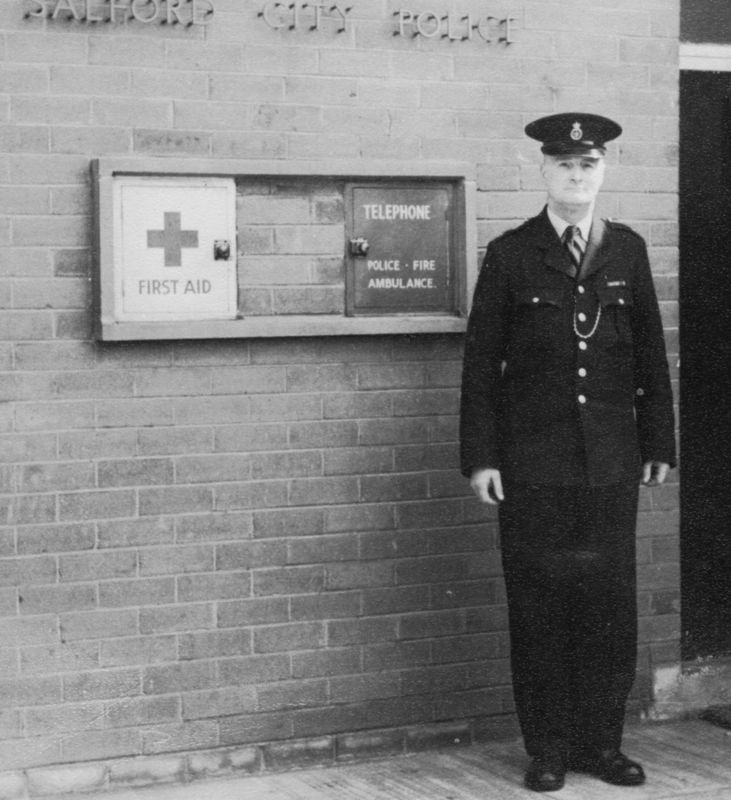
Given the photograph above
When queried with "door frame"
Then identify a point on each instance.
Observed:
(696, 641)
(705, 57)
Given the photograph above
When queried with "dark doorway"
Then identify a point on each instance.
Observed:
(705, 375)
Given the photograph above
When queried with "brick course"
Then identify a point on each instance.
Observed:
(222, 556)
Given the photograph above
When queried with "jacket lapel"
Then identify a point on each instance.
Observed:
(555, 255)
(597, 251)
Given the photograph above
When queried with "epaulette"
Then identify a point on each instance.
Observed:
(511, 231)
(620, 226)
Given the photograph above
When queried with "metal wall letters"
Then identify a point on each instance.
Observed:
(280, 15)
(161, 12)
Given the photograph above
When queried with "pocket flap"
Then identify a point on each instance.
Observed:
(615, 296)
(541, 296)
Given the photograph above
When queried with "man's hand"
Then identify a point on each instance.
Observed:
(654, 472)
(487, 485)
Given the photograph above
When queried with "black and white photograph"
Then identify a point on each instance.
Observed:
(365, 399)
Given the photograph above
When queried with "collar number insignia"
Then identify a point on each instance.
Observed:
(576, 132)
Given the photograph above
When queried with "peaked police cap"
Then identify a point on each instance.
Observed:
(574, 134)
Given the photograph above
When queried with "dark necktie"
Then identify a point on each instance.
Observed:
(574, 243)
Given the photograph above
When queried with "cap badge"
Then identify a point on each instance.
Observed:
(576, 132)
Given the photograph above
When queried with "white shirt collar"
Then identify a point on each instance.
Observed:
(560, 224)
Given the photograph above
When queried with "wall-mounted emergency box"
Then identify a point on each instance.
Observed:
(218, 249)
(402, 248)
(174, 248)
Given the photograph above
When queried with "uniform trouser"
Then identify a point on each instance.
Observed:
(569, 561)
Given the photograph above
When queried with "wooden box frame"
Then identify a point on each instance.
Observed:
(108, 328)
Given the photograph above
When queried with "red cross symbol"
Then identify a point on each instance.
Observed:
(172, 239)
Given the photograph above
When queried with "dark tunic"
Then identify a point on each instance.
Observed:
(566, 391)
(526, 407)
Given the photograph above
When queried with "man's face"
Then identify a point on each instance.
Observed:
(572, 180)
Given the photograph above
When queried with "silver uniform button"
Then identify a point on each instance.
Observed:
(640, 392)
(582, 316)
(583, 345)
(582, 372)
(582, 399)
(581, 290)
(621, 301)
(536, 299)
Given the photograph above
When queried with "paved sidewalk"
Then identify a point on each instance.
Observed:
(689, 760)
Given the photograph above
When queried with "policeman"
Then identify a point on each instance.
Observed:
(566, 407)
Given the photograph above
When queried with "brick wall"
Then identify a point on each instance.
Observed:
(222, 544)
(291, 235)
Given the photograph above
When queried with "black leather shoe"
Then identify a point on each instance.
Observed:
(546, 773)
(614, 767)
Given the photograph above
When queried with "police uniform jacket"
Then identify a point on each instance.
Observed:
(565, 377)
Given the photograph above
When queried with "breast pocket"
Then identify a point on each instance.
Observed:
(616, 308)
(538, 320)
